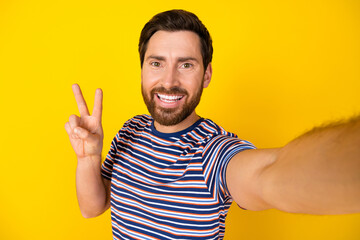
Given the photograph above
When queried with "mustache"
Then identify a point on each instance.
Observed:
(173, 90)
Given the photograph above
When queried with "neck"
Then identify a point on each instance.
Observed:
(187, 122)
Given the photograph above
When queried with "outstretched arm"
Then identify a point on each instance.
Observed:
(86, 137)
(317, 173)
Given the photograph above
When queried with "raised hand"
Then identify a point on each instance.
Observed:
(85, 132)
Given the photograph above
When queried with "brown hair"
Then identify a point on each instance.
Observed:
(177, 20)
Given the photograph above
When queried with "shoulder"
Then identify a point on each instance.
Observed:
(216, 133)
(133, 126)
(220, 141)
(141, 120)
(212, 128)
(138, 122)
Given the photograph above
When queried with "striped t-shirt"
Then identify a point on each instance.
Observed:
(170, 185)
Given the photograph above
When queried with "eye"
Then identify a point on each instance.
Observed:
(155, 64)
(186, 65)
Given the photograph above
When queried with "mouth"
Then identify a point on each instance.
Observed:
(169, 98)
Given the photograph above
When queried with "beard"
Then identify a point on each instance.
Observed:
(171, 116)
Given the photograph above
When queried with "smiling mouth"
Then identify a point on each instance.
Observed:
(169, 98)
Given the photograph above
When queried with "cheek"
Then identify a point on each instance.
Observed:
(149, 78)
(196, 83)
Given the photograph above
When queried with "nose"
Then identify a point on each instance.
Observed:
(170, 78)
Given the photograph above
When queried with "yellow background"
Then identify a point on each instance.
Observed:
(280, 67)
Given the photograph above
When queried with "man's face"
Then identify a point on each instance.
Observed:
(173, 76)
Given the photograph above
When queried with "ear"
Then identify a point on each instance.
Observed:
(207, 75)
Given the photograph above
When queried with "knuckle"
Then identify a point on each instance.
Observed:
(73, 119)
(85, 134)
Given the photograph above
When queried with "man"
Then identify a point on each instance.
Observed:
(173, 175)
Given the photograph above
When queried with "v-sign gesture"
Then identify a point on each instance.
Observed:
(85, 132)
(86, 137)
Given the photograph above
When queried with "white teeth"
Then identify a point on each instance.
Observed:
(169, 98)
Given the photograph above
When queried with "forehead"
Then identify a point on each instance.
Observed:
(178, 43)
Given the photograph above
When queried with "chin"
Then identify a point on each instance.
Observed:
(169, 117)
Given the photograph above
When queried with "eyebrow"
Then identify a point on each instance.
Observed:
(160, 58)
(179, 59)
(184, 59)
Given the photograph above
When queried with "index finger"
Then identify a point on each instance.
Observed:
(83, 109)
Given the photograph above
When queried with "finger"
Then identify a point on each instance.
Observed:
(97, 111)
(68, 128)
(69, 131)
(74, 121)
(83, 109)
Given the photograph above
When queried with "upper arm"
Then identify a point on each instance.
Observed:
(107, 184)
(244, 177)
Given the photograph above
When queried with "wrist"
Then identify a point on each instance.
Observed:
(92, 159)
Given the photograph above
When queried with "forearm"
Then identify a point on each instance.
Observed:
(91, 190)
(318, 173)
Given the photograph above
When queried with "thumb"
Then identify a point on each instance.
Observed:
(82, 133)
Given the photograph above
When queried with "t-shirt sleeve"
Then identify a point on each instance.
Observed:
(217, 155)
(107, 166)
(239, 146)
